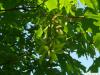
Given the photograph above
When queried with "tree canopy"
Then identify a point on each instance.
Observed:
(37, 36)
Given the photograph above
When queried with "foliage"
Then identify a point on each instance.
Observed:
(37, 36)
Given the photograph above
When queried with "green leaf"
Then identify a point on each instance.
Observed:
(65, 29)
(90, 3)
(82, 1)
(51, 4)
(89, 30)
(95, 17)
(62, 3)
(97, 23)
(92, 16)
(58, 47)
(53, 56)
(97, 40)
(1, 8)
(39, 32)
(40, 1)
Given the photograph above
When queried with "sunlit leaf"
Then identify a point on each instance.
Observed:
(97, 40)
(65, 29)
(90, 3)
(39, 33)
(93, 16)
(51, 4)
(82, 1)
(1, 7)
(89, 30)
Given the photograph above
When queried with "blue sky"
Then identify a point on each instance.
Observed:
(87, 62)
